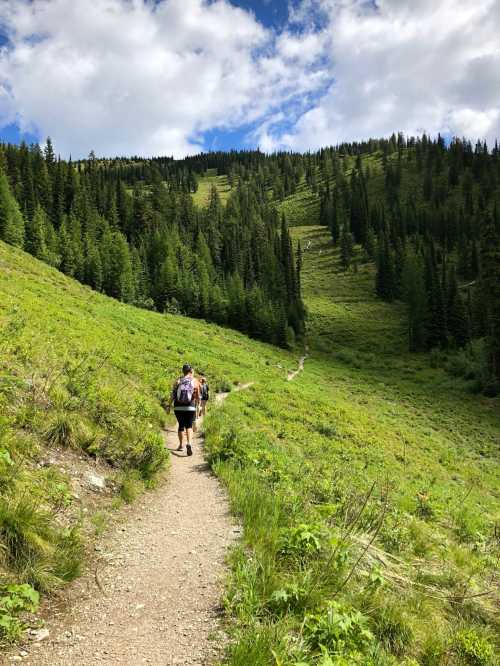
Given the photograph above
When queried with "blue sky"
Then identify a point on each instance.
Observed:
(174, 77)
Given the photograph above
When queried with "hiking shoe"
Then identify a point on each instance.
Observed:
(180, 448)
(189, 450)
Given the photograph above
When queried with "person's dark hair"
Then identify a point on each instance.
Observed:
(186, 368)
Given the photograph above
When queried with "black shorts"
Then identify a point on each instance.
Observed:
(185, 419)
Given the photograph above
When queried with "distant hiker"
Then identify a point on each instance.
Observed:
(204, 394)
(185, 397)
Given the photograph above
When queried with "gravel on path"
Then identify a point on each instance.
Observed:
(155, 598)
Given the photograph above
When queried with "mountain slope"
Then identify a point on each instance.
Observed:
(81, 381)
(368, 489)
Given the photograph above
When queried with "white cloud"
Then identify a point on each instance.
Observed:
(146, 77)
(135, 76)
(408, 65)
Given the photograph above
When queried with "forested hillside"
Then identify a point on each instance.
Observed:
(133, 232)
(158, 233)
(367, 487)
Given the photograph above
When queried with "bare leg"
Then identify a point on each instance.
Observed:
(189, 435)
(179, 434)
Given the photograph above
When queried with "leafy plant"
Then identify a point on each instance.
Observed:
(14, 601)
(473, 648)
(289, 597)
(339, 629)
(300, 542)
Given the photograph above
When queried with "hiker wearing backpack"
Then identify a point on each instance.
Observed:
(186, 399)
(204, 394)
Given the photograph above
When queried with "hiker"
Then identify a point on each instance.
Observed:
(204, 394)
(185, 397)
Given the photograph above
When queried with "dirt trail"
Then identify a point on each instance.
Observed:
(293, 373)
(156, 597)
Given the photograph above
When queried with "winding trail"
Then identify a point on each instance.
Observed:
(156, 597)
(293, 373)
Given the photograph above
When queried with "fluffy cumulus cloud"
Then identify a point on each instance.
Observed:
(151, 76)
(407, 65)
(138, 76)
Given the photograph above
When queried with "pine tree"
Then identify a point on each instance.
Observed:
(456, 313)
(11, 220)
(415, 297)
(436, 323)
(385, 282)
(93, 265)
(35, 242)
(370, 244)
(489, 287)
(121, 276)
(346, 248)
(49, 154)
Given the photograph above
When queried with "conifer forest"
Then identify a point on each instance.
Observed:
(426, 212)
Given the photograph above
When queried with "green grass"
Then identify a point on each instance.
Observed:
(369, 443)
(205, 183)
(302, 207)
(367, 487)
(82, 377)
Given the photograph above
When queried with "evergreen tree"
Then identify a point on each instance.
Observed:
(415, 297)
(35, 242)
(456, 313)
(385, 284)
(11, 220)
(490, 289)
(346, 248)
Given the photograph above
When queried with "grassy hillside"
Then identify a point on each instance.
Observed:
(81, 380)
(368, 489)
(205, 183)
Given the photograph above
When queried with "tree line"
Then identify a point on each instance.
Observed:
(428, 215)
(129, 229)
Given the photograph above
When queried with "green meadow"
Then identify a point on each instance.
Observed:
(206, 182)
(82, 377)
(367, 487)
(368, 492)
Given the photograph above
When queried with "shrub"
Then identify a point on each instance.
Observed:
(339, 629)
(15, 600)
(42, 553)
(223, 385)
(434, 650)
(130, 487)
(472, 648)
(289, 597)
(224, 442)
(61, 430)
(300, 542)
(89, 439)
(153, 457)
(468, 525)
(327, 430)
